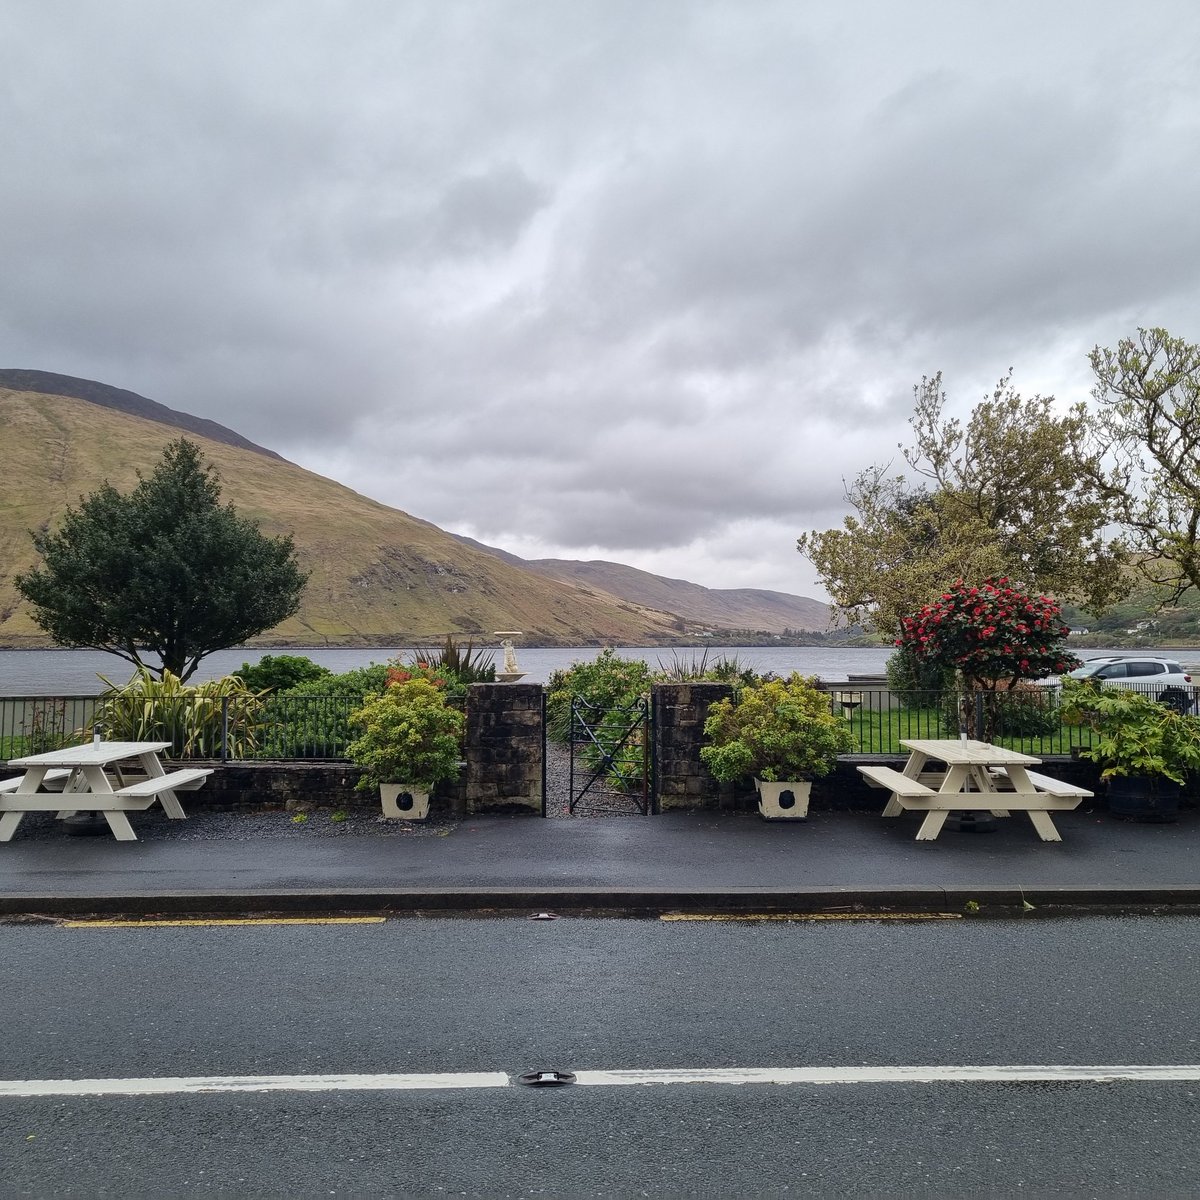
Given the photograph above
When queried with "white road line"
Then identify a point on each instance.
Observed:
(954, 1074)
(168, 1085)
(30, 1088)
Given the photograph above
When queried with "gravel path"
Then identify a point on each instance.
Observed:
(594, 803)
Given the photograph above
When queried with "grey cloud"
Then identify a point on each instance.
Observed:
(646, 274)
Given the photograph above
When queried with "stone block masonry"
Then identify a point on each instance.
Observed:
(681, 779)
(505, 747)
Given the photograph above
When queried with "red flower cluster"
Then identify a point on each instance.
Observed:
(423, 671)
(991, 631)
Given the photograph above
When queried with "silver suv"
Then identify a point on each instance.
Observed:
(1163, 678)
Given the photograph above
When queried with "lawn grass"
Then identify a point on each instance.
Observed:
(879, 730)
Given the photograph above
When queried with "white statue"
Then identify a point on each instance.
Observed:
(511, 672)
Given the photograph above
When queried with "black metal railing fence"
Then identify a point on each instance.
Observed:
(291, 728)
(1029, 719)
(222, 728)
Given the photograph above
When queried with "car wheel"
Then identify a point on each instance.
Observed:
(1177, 699)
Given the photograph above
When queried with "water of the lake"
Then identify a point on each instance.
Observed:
(77, 672)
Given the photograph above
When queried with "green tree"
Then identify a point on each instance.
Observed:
(280, 672)
(1004, 494)
(993, 633)
(995, 637)
(164, 570)
(1148, 432)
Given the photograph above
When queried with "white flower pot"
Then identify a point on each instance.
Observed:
(404, 801)
(786, 801)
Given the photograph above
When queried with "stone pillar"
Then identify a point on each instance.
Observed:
(681, 780)
(505, 747)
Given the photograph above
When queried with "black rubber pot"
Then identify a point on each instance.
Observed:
(1144, 797)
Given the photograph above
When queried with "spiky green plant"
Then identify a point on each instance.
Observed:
(199, 720)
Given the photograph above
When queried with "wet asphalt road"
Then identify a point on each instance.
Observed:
(512, 995)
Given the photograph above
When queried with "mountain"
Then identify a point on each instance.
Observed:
(719, 608)
(378, 576)
(120, 400)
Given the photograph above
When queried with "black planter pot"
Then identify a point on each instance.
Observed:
(1144, 797)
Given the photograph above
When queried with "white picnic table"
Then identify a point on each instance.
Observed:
(978, 777)
(76, 779)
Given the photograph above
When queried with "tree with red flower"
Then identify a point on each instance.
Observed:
(993, 633)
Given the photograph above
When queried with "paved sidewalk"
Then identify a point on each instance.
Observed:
(674, 861)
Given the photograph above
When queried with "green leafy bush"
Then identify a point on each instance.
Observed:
(914, 681)
(409, 734)
(311, 720)
(776, 731)
(607, 687)
(280, 672)
(607, 682)
(1020, 712)
(1136, 735)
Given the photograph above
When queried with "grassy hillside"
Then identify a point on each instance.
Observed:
(727, 608)
(124, 401)
(706, 608)
(378, 576)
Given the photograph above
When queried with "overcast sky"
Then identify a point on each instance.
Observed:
(643, 280)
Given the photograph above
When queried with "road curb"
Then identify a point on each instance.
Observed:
(609, 901)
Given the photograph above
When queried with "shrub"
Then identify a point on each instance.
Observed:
(311, 720)
(280, 672)
(914, 681)
(992, 633)
(608, 688)
(1136, 735)
(409, 734)
(1023, 712)
(606, 683)
(463, 665)
(778, 730)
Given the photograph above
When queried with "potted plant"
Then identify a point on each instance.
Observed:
(783, 733)
(410, 741)
(1145, 749)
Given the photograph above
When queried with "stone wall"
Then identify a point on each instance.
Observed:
(681, 780)
(503, 771)
(296, 786)
(290, 785)
(300, 785)
(505, 747)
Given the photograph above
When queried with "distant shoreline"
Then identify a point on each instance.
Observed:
(490, 643)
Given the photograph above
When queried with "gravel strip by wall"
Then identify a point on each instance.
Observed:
(247, 825)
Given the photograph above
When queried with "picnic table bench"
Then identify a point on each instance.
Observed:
(979, 777)
(74, 780)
